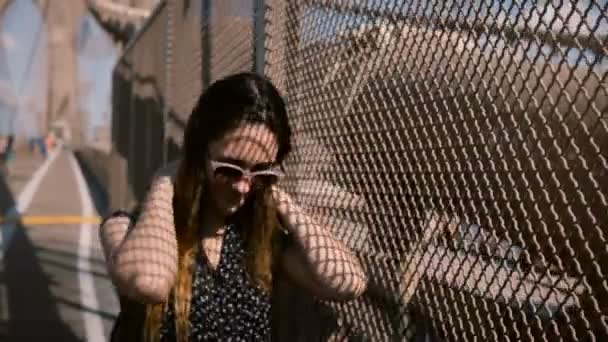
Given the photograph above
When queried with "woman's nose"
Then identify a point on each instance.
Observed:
(243, 185)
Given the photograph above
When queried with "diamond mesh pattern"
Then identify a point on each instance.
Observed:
(473, 136)
(459, 147)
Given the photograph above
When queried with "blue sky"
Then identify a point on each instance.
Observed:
(19, 29)
(97, 58)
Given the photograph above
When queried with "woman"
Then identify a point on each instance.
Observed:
(206, 247)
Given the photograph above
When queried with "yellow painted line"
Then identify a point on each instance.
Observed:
(50, 220)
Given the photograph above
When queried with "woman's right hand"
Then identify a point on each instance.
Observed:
(145, 264)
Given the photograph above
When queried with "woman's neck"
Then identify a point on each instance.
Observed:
(212, 223)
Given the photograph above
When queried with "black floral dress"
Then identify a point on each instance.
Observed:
(226, 304)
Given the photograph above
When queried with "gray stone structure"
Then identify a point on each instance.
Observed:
(63, 21)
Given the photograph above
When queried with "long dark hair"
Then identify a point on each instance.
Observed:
(227, 103)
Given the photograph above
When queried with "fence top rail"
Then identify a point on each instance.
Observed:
(151, 18)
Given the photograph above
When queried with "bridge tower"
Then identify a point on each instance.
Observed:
(62, 22)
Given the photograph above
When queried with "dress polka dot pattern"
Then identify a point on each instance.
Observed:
(226, 304)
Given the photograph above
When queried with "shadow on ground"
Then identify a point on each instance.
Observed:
(29, 311)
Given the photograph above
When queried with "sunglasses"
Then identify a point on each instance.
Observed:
(234, 172)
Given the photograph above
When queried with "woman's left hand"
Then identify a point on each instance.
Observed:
(317, 261)
(285, 206)
(282, 199)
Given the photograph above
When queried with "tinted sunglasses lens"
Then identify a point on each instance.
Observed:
(266, 179)
(228, 172)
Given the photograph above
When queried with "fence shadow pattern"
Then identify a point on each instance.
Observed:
(459, 147)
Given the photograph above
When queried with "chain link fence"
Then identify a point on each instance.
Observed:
(459, 147)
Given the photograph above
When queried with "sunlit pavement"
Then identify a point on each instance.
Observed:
(53, 284)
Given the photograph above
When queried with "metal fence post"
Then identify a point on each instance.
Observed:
(168, 79)
(259, 29)
(206, 43)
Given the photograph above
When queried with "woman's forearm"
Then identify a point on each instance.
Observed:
(143, 266)
(331, 263)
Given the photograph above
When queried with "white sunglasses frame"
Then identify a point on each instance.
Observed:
(246, 173)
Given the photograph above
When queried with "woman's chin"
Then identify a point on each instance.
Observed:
(232, 208)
